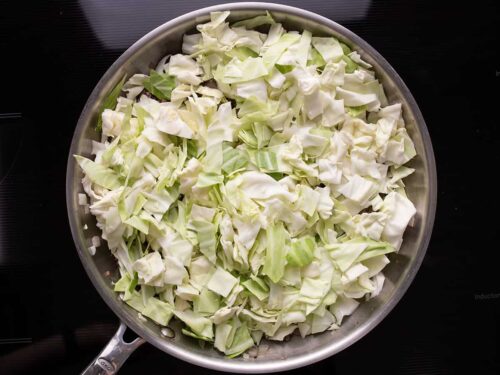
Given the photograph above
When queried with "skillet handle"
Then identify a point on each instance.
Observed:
(113, 356)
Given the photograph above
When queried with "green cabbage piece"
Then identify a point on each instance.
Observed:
(301, 252)
(160, 85)
(275, 261)
(110, 101)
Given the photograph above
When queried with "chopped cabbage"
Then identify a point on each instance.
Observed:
(250, 186)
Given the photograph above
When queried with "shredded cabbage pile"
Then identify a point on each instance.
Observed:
(252, 185)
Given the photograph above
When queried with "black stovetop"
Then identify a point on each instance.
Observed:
(54, 52)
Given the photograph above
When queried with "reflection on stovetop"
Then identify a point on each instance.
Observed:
(52, 319)
(108, 18)
(52, 349)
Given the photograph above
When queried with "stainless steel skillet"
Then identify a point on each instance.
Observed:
(297, 352)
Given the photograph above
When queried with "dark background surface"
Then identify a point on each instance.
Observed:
(54, 52)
